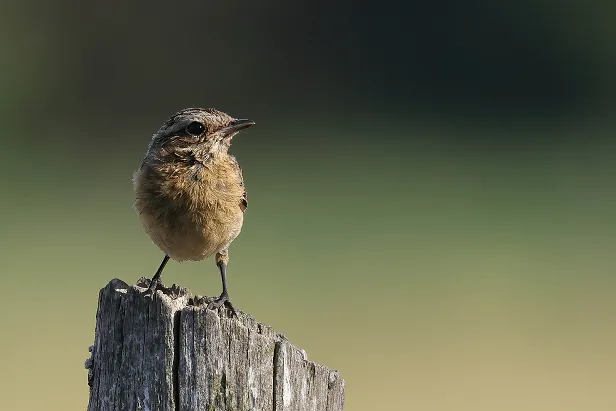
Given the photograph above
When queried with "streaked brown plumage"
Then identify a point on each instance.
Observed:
(190, 193)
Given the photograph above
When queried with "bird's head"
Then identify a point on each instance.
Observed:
(198, 130)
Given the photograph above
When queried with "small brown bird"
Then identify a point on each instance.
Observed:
(190, 192)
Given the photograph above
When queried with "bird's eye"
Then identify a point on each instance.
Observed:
(195, 128)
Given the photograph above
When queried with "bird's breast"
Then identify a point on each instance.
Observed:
(190, 211)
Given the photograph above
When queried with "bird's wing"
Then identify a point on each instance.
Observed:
(244, 199)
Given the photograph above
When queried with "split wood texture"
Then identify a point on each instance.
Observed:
(167, 354)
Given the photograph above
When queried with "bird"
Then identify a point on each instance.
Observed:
(189, 192)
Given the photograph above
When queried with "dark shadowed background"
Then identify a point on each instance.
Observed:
(431, 185)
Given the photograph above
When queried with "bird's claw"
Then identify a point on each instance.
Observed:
(223, 299)
(152, 286)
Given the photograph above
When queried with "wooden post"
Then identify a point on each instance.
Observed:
(167, 354)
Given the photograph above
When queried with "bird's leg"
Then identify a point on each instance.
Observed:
(156, 282)
(221, 261)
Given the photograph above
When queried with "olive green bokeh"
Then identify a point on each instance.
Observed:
(442, 258)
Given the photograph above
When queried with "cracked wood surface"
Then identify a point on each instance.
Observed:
(174, 354)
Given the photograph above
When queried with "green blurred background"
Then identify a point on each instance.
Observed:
(431, 188)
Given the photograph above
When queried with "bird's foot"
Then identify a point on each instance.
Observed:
(223, 299)
(156, 285)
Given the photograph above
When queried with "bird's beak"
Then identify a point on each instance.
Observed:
(237, 125)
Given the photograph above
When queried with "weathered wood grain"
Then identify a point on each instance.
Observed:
(174, 354)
